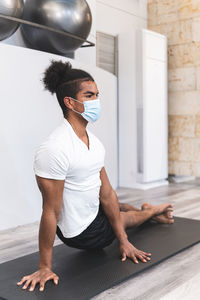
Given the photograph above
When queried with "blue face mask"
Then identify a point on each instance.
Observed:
(92, 109)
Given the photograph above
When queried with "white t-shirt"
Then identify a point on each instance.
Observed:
(63, 155)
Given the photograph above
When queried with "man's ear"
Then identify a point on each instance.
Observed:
(67, 101)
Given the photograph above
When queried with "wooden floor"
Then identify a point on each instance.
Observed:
(174, 279)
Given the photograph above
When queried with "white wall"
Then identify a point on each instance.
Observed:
(27, 115)
(127, 109)
(115, 16)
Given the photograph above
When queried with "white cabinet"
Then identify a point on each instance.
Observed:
(143, 115)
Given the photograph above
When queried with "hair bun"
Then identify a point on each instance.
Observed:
(56, 74)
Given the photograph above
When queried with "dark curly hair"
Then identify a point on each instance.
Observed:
(62, 79)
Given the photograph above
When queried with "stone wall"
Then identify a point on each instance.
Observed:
(179, 20)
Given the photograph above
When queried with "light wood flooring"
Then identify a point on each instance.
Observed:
(174, 279)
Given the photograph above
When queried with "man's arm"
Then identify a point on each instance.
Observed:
(52, 194)
(109, 201)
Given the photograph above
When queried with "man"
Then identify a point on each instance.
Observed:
(79, 203)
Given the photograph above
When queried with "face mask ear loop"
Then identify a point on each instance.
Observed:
(77, 111)
(79, 102)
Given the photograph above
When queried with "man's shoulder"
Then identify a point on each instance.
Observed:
(58, 139)
(59, 132)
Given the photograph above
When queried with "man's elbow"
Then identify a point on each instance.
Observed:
(57, 215)
(52, 212)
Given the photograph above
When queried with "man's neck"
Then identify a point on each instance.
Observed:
(78, 125)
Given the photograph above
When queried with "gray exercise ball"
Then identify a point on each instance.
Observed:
(13, 8)
(73, 16)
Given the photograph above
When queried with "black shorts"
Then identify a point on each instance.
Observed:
(97, 235)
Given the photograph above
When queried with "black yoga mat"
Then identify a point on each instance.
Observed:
(84, 274)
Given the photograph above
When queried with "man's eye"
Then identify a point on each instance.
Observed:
(89, 96)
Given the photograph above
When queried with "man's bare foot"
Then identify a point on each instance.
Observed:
(163, 213)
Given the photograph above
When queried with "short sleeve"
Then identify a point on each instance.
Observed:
(51, 161)
(104, 154)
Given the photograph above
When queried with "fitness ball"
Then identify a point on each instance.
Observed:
(71, 16)
(12, 8)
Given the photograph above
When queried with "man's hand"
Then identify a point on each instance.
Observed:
(128, 250)
(41, 276)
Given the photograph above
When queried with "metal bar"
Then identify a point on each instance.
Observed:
(22, 21)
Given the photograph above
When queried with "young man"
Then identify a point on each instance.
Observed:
(79, 203)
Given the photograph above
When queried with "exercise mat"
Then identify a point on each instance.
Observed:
(84, 274)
